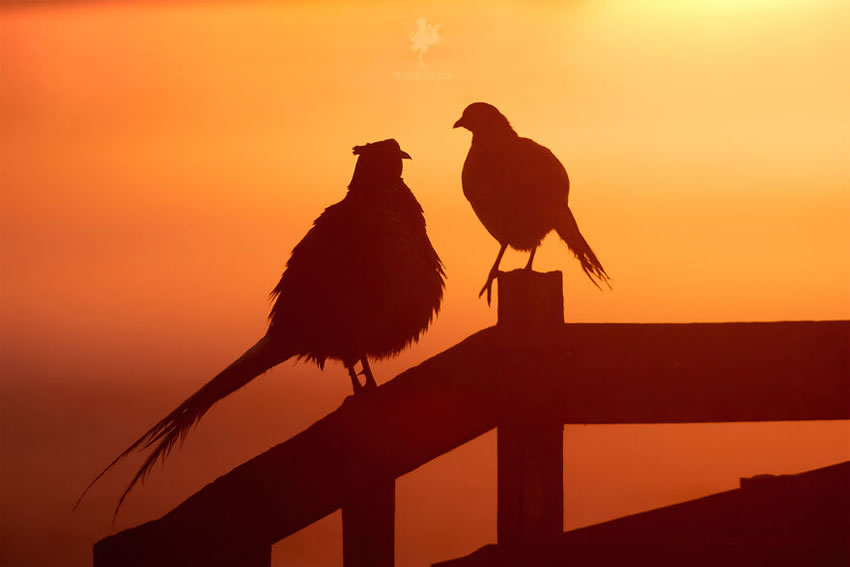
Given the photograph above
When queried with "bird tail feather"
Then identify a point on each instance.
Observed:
(176, 425)
(568, 230)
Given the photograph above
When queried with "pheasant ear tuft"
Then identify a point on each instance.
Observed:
(357, 150)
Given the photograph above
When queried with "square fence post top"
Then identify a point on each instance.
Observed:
(529, 300)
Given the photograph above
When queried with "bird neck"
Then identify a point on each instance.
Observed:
(374, 183)
(494, 137)
(370, 173)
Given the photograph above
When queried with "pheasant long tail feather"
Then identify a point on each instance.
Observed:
(568, 231)
(176, 425)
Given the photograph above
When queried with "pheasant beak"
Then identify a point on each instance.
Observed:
(459, 123)
(405, 155)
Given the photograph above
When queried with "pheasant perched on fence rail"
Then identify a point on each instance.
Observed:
(364, 282)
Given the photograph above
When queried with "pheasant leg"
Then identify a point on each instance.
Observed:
(367, 372)
(494, 272)
(355, 383)
(531, 258)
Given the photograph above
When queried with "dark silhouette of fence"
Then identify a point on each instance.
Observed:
(527, 376)
(781, 521)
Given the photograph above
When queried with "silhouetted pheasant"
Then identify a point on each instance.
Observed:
(519, 190)
(364, 282)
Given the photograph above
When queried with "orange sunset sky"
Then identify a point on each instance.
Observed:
(158, 161)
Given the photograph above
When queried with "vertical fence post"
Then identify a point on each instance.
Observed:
(530, 489)
(260, 558)
(368, 528)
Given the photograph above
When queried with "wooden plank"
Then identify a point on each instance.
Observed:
(530, 485)
(785, 521)
(699, 372)
(259, 558)
(574, 373)
(530, 448)
(530, 301)
(368, 528)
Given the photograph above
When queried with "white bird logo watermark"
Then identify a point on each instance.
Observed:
(426, 36)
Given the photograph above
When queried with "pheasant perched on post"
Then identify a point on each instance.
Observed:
(365, 282)
(519, 190)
